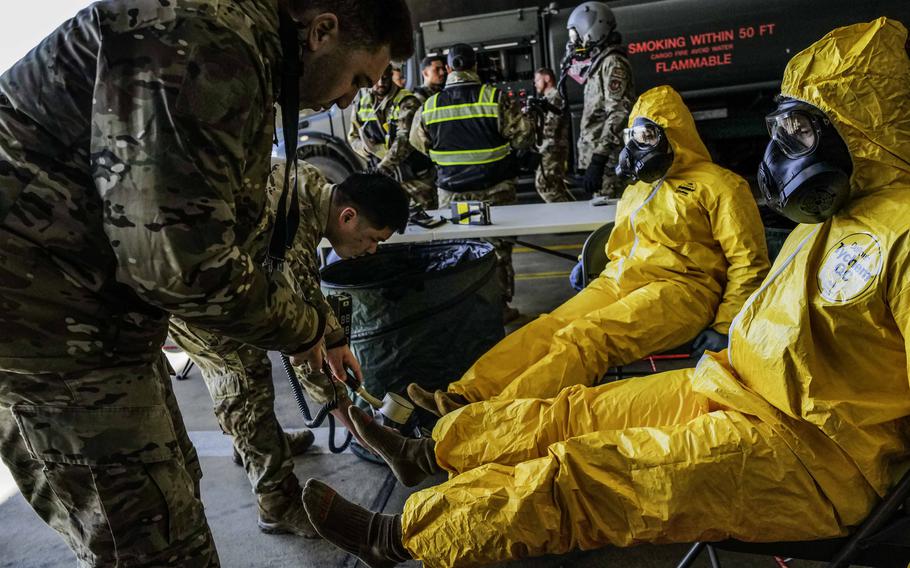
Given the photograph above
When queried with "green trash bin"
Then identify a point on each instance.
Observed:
(422, 313)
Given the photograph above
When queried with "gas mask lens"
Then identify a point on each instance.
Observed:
(795, 132)
(644, 135)
(573, 37)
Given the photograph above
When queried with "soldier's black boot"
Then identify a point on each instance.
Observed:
(281, 511)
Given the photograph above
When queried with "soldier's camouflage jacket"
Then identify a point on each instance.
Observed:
(608, 98)
(315, 197)
(424, 92)
(134, 153)
(554, 142)
(398, 148)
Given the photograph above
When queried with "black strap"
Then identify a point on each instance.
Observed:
(287, 222)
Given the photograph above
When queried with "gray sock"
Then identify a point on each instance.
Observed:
(373, 537)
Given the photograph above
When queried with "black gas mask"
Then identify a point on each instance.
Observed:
(647, 155)
(805, 172)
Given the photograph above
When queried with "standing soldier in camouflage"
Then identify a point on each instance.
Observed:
(130, 191)
(469, 130)
(609, 95)
(553, 146)
(380, 128)
(354, 216)
(433, 71)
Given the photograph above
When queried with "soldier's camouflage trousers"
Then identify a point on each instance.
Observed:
(613, 185)
(422, 189)
(549, 180)
(239, 379)
(103, 457)
(502, 193)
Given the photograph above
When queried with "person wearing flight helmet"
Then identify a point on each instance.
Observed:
(793, 433)
(609, 93)
(687, 249)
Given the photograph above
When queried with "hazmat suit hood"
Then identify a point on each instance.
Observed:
(699, 227)
(854, 70)
(664, 107)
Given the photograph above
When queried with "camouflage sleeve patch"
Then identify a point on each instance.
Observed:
(618, 81)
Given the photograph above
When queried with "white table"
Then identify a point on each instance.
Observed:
(512, 221)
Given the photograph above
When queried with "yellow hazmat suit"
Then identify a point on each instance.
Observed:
(685, 254)
(793, 433)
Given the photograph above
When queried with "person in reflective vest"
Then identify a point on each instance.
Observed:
(469, 130)
(379, 132)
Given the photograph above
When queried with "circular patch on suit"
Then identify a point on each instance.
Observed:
(850, 267)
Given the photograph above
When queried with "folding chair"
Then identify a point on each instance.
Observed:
(593, 262)
(882, 541)
(679, 353)
(594, 253)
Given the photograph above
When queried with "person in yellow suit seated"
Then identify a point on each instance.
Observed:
(794, 432)
(687, 249)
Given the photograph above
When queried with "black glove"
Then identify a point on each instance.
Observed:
(594, 175)
(709, 340)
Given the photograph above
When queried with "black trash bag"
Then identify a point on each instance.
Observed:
(422, 313)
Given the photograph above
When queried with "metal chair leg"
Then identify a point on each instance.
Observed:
(712, 556)
(187, 367)
(695, 552)
(691, 556)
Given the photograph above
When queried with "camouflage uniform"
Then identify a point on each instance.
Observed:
(239, 377)
(515, 127)
(554, 154)
(609, 96)
(395, 113)
(129, 190)
(424, 92)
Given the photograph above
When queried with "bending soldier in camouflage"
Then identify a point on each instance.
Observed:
(380, 128)
(468, 130)
(608, 96)
(354, 216)
(130, 191)
(553, 146)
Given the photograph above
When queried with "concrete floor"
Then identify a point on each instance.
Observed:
(25, 542)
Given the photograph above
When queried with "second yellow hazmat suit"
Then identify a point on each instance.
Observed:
(792, 433)
(685, 253)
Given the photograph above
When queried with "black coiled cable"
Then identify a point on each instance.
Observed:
(309, 421)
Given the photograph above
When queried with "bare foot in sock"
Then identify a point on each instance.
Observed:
(411, 460)
(423, 398)
(374, 538)
(447, 402)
